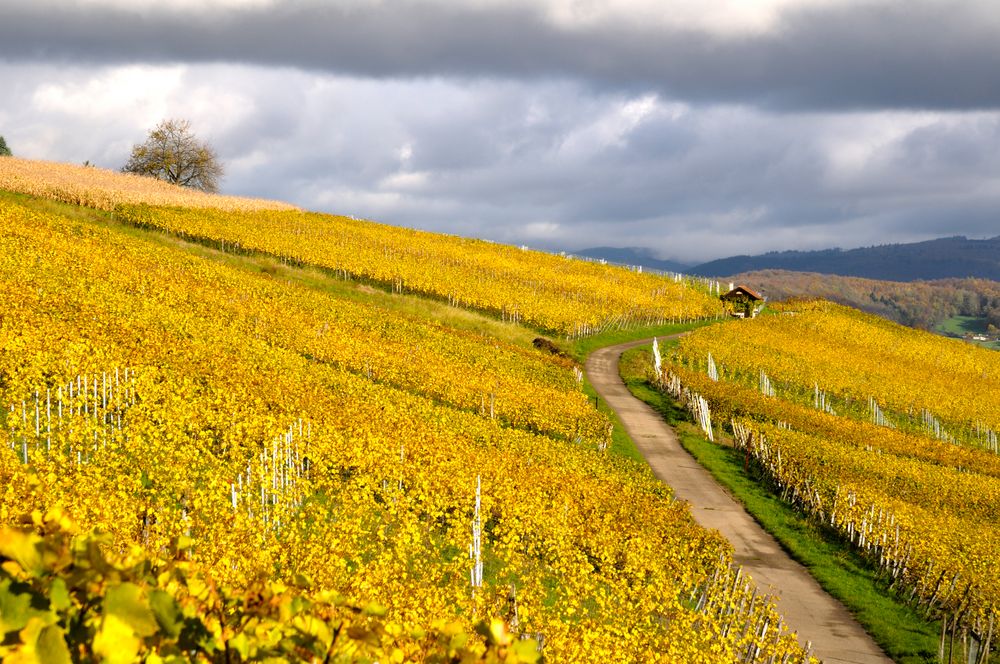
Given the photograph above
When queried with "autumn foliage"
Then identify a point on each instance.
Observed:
(276, 464)
(916, 488)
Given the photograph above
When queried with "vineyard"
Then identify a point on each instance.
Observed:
(885, 434)
(558, 294)
(200, 459)
(861, 365)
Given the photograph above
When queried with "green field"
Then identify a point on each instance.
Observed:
(959, 326)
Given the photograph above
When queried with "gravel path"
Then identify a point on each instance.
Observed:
(807, 609)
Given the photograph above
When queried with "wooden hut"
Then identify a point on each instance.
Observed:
(743, 302)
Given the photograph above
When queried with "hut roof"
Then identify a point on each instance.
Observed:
(742, 291)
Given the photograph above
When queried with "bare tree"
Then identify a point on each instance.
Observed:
(172, 153)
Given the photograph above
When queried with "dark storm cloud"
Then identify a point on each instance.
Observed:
(839, 126)
(545, 163)
(557, 166)
(885, 54)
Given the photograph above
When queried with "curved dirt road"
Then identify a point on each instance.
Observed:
(807, 609)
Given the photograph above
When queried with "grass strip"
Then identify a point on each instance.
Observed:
(579, 349)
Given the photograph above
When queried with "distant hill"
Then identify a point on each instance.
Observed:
(633, 256)
(944, 258)
(917, 304)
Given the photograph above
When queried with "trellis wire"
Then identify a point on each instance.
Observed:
(821, 401)
(695, 403)
(872, 529)
(875, 532)
(934, 427)
(878, 415)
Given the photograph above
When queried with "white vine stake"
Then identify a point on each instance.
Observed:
(766, 388)
(657, 360)
(705, 417)
(475, 547)
(713, 371)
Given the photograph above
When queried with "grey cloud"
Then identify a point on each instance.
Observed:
(947, 152)
(885, 54)
(546, 163)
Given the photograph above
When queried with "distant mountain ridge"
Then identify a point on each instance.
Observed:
(945, 258)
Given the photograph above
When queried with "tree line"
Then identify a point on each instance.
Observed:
(920, 304)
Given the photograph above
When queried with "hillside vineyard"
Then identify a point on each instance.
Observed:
(558, 294)
(896, 449)
(555, 293)
(854, 358)
(298, 474)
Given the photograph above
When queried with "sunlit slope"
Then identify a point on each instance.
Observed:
(154, 394)
(885, 433)
(518, 387)
(555, 293)
(851, 357)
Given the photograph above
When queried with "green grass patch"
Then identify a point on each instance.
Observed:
(959, 326)
(579, 349)
(905, 635)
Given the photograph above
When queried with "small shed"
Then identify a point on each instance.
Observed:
(743, 302)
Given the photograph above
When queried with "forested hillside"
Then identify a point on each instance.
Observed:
(917, 304)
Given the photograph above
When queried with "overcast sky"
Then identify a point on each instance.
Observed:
(696, 128)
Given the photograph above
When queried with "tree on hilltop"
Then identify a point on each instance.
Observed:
(4, 150)
(173, 154)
